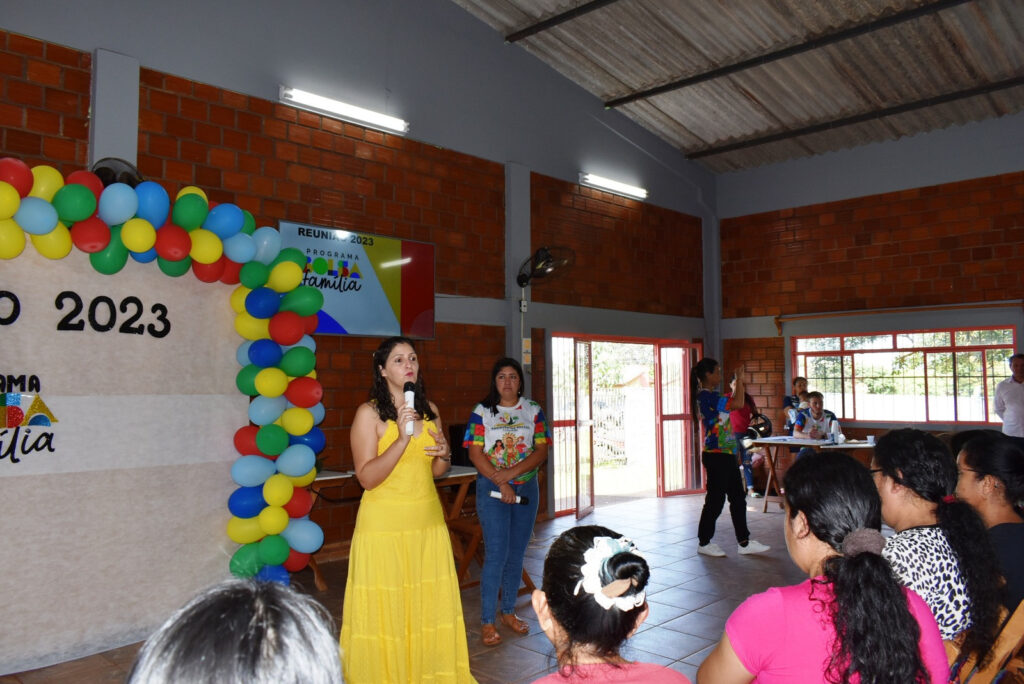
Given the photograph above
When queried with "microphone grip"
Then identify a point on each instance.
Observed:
(410, 400)
(521, 500)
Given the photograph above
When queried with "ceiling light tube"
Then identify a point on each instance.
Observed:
(612, 186)
(336, 108)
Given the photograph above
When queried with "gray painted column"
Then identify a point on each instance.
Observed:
(517, 250)
(712, 244)
(114, 119)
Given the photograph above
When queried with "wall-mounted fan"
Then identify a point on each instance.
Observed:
(112, 170)
(544, 262)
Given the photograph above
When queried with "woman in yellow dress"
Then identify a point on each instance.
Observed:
(402, 618)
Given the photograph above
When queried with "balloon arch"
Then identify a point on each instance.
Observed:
(275, 314)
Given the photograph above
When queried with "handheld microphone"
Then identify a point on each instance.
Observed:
(521, 500)
(410, 400)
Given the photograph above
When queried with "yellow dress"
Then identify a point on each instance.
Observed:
(402, 617)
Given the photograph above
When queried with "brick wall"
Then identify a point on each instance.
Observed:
(764, 363)
(630, 256)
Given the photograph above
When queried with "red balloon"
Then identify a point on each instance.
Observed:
(304, 392)
(173, 242)
(209, 273)
(286, 327)
(88, 179)
(300, 504)
(90, 235)
(245, 440)
(312, 321)
(18, 174)
(232, 271)
(296, 560)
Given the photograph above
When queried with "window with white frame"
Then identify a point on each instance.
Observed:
(928, 376)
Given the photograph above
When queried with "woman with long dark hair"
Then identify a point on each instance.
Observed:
(940, 549)
(514, 432)
(712, 409)
(402, 619)
(851, 621)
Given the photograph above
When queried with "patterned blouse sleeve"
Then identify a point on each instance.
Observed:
(541, 430)
(475, 428)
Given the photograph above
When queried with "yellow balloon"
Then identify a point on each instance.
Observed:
(206, 246)
(191, 190)
(238, 296)
(297, 421)
(311, 374)
(272, 382)
(273, 519)
(53, 245)
(249, 327)
(244, 530)
(305, 479)
(284, 277)
(138, 235)
(46, 182)
(12, 240)
(9, 200)
(278, 490)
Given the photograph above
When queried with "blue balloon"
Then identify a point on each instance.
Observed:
(268, 244)
(240, 248)
(252, 471)
(314, 439)
(247, 502)
(305, 536)
(265, 410)
(144, 257)
(306, 341)
(36, 216)
(274, 573)
(262, 302)
(242, 353)
(318, 412)
(224, 220)
(265, 353)
(154, 203)
(118, 203)
(296, 460)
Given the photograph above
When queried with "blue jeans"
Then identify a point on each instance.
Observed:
(746, 459)
(507, 529)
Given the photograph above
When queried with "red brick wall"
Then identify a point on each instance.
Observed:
(763, 360)
(44, 102)
(944, 244)
(630, 256)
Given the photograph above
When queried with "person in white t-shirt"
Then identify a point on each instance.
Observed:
(1010, 398)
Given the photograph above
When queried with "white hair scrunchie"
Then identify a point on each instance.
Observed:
(611, 594)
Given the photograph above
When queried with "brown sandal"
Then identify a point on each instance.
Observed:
(489, 635)
(512, 621)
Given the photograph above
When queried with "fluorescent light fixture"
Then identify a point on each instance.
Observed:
(325, 105)
(612, 186)
(396, 262)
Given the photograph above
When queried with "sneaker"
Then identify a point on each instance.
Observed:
(711, 549)
(753, 546)
(753, 494)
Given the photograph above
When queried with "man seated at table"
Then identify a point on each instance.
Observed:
(814, 423)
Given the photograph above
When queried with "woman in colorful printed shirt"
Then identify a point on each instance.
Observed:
(507, 437)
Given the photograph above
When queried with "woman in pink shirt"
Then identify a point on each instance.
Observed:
(851, 621)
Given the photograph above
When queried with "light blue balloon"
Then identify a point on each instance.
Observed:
(242, 353)
(268, 244)
(265, 410)
(240, 248)
(36, 216)
(154, 203)
(296, 460)
(252, 471)
(318, 412)
(305, 536)
(224, 220)
(306, 341)
(118, 203)
(144, 257)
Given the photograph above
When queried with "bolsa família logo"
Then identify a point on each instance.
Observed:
(325, 273)
(24, 419)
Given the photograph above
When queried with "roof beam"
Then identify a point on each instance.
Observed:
(557, 19)
(775, 55)
(860, 118)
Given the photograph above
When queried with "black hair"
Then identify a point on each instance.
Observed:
(380, 395)
(697, 375)
(921, 462)
(1015, 356)
(876, 634)
(815, 395)
(1001, 456)
(583, 621)
(798, 379)
(493, 395)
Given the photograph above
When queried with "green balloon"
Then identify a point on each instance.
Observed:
(245, 381)
(304, 300)
(189, 211)
(292, 254)
(272, 440)
(248, 223)
(174, 268)
(113, 257)
(254, 274)
(274, 549)
(74, 202)
(297, 361)
(246, 561)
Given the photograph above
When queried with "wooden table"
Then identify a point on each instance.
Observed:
(776, 446)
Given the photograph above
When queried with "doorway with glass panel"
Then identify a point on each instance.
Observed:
(621, 421)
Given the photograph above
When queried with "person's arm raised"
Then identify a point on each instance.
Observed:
(738, 396)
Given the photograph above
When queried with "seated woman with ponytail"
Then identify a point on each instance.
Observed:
(851, 621)
(593, 598)
(941, 549)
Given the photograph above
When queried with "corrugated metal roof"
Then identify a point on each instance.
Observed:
(621, 48)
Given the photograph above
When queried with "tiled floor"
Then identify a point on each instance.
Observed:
(690, 595)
